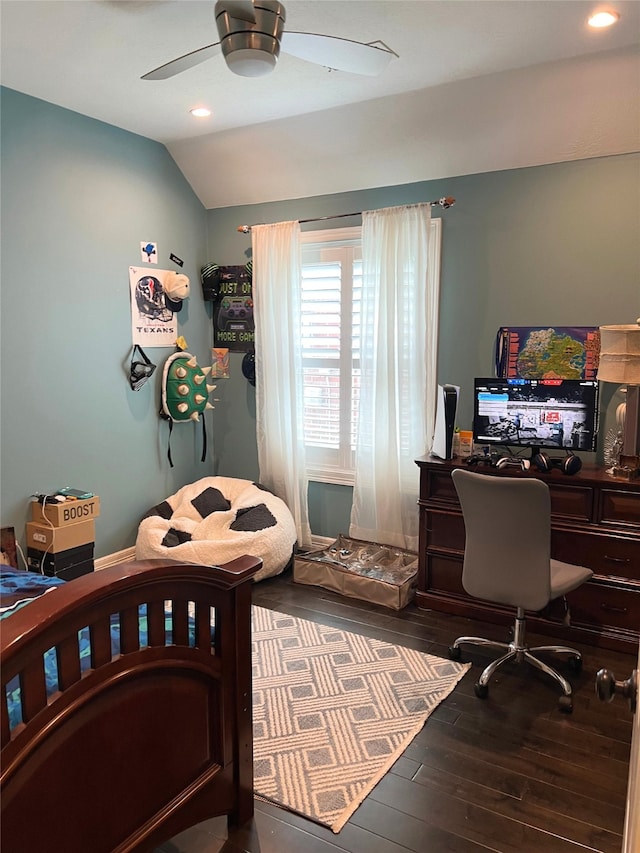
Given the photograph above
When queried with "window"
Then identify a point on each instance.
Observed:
(331, 280)
(330, 317)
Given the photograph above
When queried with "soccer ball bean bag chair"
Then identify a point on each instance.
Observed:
(217, 519)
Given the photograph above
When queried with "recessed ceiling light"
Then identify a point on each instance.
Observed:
(603, 19)
(200, 112)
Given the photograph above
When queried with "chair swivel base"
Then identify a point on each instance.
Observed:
(517, 651)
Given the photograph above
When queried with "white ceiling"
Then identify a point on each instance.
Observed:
(89, 56)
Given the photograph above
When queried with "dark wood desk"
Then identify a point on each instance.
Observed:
(595, 523)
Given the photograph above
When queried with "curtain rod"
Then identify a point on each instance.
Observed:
(441, 202)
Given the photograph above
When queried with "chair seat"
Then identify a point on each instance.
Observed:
(565, 577)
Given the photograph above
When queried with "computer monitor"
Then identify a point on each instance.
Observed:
(559, 414)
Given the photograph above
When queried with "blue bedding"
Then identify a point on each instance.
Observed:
(18, 588)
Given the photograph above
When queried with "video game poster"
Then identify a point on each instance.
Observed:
(544, 352)
(233, 324)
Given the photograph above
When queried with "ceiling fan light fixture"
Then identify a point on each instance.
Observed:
(250, 43)
(249, 62)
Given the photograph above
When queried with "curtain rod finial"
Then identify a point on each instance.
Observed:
(243, 229)
(446, 202)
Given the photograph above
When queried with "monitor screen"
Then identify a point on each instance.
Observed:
(537, 413)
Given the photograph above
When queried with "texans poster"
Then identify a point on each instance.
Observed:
(152, 323)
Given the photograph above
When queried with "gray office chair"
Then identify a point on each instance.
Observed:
(507, 560)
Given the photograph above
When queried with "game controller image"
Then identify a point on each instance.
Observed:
(482, 459)
(235, 312)
(513, 462)
(495, 460)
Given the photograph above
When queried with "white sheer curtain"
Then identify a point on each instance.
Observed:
(398, 373)
(279, 392)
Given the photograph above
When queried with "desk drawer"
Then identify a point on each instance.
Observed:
(620, 507)
(438, 486)
(571, 501)
(607, 555)
(601, 605)
(444, 574)
(445, 530)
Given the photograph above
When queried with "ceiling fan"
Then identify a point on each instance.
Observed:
(252, 34)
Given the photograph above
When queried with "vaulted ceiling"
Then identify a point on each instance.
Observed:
(89, 56)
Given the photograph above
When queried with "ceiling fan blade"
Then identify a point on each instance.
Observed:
(183, 63)
(338, 53)
(241, 10)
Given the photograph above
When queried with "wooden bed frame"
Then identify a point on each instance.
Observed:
(139, 747)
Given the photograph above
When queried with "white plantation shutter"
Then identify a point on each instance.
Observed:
(330, 322)
(321, 291)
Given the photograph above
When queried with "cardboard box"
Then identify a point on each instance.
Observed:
(69, 512)
(54, 539)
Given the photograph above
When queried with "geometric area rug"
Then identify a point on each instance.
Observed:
(333, 711)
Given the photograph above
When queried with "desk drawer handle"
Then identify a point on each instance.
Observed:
(612, 609)
(617, 559)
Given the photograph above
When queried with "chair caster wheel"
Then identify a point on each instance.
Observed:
(482, 691)
(575, 663)
(565, 704)
(455, 652)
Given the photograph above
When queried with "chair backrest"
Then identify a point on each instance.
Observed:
(508, 538)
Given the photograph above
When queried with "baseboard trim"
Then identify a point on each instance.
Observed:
(129, 554)
(124, 556)
(319, 542)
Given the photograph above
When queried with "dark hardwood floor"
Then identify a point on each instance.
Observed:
(509, 773)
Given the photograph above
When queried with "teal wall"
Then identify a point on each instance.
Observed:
(78, 196)
(554, 245)
(547, 245)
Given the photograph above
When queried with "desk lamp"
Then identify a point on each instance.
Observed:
(620, 363)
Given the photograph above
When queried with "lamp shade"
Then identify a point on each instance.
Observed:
(620, 354)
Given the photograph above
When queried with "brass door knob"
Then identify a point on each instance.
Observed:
(607, 687)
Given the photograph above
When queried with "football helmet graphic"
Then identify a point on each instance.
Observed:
(150, 299)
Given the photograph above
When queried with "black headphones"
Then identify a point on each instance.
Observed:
(570, 464)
